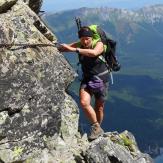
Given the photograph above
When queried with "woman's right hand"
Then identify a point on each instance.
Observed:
(66, 48)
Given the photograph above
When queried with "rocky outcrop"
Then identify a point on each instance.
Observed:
(36, 114)
(38, 119)
(116, 148)
(6, 5)
(35, 5)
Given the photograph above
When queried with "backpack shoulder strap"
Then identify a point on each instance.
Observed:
(102, 35)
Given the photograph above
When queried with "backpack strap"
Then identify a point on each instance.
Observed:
(103, 73)
(102, 35)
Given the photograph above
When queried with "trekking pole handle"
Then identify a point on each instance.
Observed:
(78, 23)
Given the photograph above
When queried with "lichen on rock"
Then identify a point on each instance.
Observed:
(33, 81)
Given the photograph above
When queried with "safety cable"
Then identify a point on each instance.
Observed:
(9, 45)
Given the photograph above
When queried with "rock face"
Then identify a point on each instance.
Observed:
(115, 148)
(38, 119)
(35, 5)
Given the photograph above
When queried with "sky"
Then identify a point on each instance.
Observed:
(60, 5)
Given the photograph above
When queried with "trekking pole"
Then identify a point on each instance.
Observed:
(78, 23)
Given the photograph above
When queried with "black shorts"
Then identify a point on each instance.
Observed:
(99, 92)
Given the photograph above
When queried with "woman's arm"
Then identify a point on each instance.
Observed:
(67, 47)
(99, 48)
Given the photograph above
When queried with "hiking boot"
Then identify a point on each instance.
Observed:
(96, 131)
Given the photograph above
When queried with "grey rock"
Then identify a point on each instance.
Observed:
(35, 5)
(6, 5)
(36, 113)
(115, 148)
(38, 119)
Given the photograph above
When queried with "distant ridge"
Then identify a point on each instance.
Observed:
(134, 30)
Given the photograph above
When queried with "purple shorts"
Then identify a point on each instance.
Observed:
(96, 87)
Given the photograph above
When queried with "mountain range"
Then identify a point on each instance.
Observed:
(136, 99)
(55, 6)
(139, 34)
